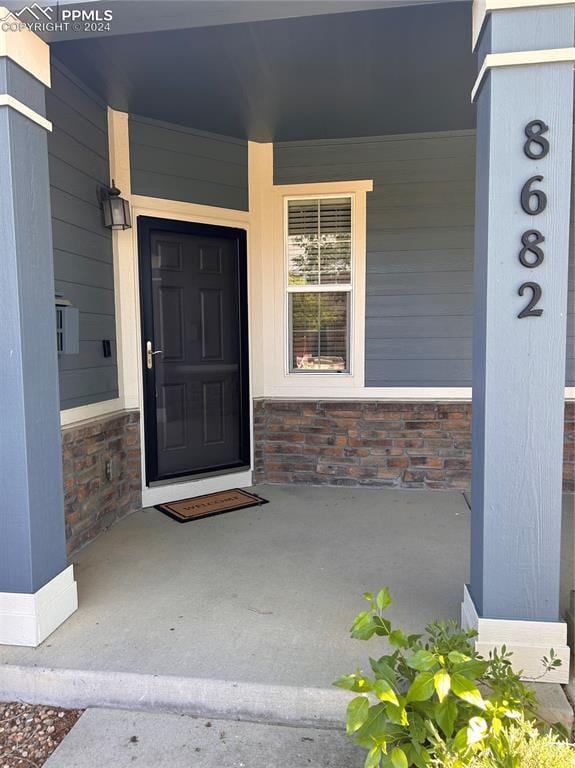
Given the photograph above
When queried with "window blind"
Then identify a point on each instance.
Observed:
(319, 241)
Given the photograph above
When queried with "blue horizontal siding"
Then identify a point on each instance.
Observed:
(176, 163)
(83, 260)
(419, 247)
(420, 239)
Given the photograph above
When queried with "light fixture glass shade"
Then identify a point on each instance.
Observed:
(116, 210)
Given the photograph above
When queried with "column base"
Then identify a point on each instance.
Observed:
(529, 641)
(28, 619)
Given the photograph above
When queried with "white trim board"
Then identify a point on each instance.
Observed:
(72, 416)
(9, 101)
(520, 59)
(529, 641)
(482, 8)
(162, 494)
(330, 391)
(25, 48)
(28, 618)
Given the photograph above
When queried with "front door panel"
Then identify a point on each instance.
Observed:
(194, 312)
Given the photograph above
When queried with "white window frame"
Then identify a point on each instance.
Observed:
(276, 380)
(320, 288)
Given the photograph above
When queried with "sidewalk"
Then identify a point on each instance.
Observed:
(106, 738)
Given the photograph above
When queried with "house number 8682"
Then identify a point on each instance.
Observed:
(533, 202)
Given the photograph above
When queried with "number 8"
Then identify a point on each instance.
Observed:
(535, 137)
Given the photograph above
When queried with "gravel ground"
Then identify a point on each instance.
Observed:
(30, 733)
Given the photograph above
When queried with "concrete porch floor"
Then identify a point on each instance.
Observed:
(263, 595)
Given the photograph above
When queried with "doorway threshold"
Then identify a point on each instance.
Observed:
(173, 490)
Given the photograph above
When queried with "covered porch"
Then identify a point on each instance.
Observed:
(253, 606)
(219, 138)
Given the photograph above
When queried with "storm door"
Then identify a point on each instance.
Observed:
(194, 348)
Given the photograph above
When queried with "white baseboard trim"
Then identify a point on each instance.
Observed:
(529, 641)
(163, 494)
(28, 618)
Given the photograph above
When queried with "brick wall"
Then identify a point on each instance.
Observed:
(401, 445)
(93, 502)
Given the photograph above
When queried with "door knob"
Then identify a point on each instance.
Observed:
(150, 355)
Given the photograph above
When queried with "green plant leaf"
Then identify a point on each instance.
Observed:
(414, 757)
(476, 730)
(382, 626)
(420, 757)
(445, 715)
(456, 657)
(397, 714)
(496, 726)
(473, 668)
(376, 726)
(442, 683)
(398, 758)
(354, 682)
(383, 599)
(345, 681)
(561, 730)
(398, 638)
(385, 692)
(363, 627)
(421, 688)
(357, 713)
(373, 758)
(417, 728)
(466, 690)
(383, 670)
(460, 741)
(421, 660)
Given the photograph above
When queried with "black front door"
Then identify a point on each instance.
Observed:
(194, 348)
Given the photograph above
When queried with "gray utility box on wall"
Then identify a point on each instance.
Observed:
(67, 327)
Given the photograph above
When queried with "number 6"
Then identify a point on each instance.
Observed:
(527, 194)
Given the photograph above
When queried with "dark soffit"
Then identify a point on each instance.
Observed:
(398, 70)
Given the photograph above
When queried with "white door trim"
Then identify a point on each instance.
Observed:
(199, 214)
(127, 284)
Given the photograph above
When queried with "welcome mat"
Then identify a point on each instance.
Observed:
(211, 504)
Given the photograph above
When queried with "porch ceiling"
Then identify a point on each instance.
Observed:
(394, 70)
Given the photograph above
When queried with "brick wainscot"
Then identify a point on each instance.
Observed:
(380, 444)
(102, 484)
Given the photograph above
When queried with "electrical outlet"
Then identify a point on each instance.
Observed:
(108, 470)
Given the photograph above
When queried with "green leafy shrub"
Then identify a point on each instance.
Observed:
(432, 701)
(526, 747)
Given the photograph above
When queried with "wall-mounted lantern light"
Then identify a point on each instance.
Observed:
(116, 209)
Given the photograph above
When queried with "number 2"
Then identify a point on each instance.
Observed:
(536, 292)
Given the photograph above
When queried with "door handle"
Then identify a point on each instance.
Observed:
(150, 355)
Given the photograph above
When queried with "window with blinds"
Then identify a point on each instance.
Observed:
(319, 283)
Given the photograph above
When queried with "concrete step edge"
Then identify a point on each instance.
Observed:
(224, 699)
